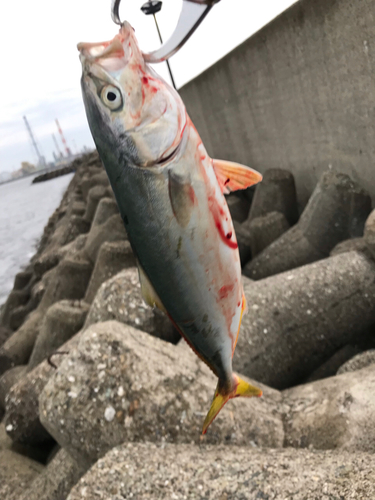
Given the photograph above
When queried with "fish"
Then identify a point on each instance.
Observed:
(170, 195)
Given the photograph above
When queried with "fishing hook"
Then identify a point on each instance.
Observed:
(192, 14)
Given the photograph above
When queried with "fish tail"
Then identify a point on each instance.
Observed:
(222, 395)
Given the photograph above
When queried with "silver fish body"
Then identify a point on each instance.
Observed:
(173, 208)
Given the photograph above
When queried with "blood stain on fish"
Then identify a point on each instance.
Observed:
(225, 290)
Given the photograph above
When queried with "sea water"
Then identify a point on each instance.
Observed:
(24, 211)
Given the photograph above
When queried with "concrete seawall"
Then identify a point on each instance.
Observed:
(299, 94)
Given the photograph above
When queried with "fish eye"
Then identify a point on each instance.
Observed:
(111, 97)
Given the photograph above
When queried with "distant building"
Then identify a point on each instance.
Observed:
(26, 169)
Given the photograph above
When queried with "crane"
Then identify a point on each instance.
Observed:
(41, 159)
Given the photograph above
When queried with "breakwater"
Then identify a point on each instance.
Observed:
(101, 399)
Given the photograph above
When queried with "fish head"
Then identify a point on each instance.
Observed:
(129, 107)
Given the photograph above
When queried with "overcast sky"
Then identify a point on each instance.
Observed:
(41, 69)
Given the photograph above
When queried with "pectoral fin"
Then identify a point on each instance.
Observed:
(233, 176)
(182, 197)
(148, 292)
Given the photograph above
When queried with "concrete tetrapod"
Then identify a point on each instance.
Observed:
(62, 320)
(111, 230)
(16, 471)
(112, 258)
(120, 384)
(146, 471)
(95, 195)
(336, 211)
(298, 319)
(337, 412)
(22, 402)
(276, 193)
(361, 360)
(56, 480)
(120, 298)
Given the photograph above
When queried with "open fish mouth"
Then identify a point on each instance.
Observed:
(110, 54)
(102, 50)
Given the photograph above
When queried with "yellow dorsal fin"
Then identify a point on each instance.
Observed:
(233, 176)
(148, 292)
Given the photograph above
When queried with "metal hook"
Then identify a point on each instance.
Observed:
(192, 14)
(115, 12)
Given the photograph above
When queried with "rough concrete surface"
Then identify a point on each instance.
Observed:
(358, 362)
(337, 412)
(121, 385)
(181, 472)
(298, 319)
(16, 472)
(56, 480)
(120, 298)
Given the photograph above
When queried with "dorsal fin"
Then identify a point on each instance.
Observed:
(233, 176)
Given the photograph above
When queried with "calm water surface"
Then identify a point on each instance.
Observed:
(24, 211)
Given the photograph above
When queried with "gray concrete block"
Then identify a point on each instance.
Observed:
(113, 257)
(120, 299)
(22, 404)
(362, 360)
(95, 194)
(337, 412)
(7, 380)
(47, 261)
(238, 207)
(56, 480)
(62, 320)
(329, 368)
(5, 333)
(105, 209)
(276, 193)
(17, 349)
(265, 229)
(297, 319)
(122, 385)
(22, 279)
(243, 237)
(337, 210)
(168, 471)
(15, 299)
(69, 280)
(111, 230)
(354, 244)
(90, 181)
(16, 473)
(72, 249)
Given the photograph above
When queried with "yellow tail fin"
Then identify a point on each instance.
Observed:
(240, 388)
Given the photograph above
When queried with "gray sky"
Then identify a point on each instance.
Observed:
(41, 70)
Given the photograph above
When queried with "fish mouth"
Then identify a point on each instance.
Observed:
(111, 54)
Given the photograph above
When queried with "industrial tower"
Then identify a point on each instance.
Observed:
(41, 159)
(68, 152)
(57, 146)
